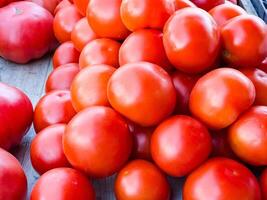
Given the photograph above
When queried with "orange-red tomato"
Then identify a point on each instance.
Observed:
(143, 92)
(220, 96)
(221, 179)
(180, 4)
(104, 18)
(47, 149)
(180, 144)
(89, 87)
(62, 4)
(263, 184)
(138, 14)
(194, 46)
(81, 5)
(100, 51)
(140, 179)
(207, 4)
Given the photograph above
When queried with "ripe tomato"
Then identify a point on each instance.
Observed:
(221, 179)
(53, 108)
(140, 179)
(144, 45)
(5, 2)
(49, 5)
(263, 184)
(65, 54)
(89, 87)
(64, 22)
(100, 51)
(81, 5)
(13, 105)
(62, 4)
(180, 4)
(97, 141)
(138, 14)
(63, 184)
(82, 34)
(207, 4)
(180, 144)
(143, 92)
(194, 46)
(251, 48)
(104, 18)
(220, 96)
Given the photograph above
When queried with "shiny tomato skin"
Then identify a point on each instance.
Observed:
(180, 4)
(215, 100)
(53, 108)
(263, 184)
(100, 51)
(143, 92)
(13, 105)
(81, 5)
(63, 184)
(141, 179)
(110, 24)
(207, 4)
(144, 45)
(62, 4)
(253, 41)
(138, 14)
(180, 144)
(65, 54)
(194, 46)
(49, 5)
(106, 141)
(89, 88)
(47, 150)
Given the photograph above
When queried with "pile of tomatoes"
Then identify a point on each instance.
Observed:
(144, 89)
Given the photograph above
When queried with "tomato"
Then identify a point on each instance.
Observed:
(53, 108)
(97, 141)
(207, 4)
(263, 184)
(65, 54)
(140, 179)
(104, 18)
(253, 41)
(26, 32)
(47, 150)
(64, 22)
(81, 5)
(194, 46)
(180, 4)
(49, 5)
(12, 180)
(13, 105)
(224, 12)
(220, 96)
(62, 4)
(144, 45)
(143, 92)
(100, 51)
(63, 184)
(82, 34)
(89, 87)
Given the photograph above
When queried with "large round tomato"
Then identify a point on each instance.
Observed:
(97, 141)
(143, 92)
(207, 4)
(26, 31)
(16, 114)
(194, 46)
(221, 179)
(140, 179)
(63, 184)
(81, 5)
(263, 184)
(49, 5)
(220, 96)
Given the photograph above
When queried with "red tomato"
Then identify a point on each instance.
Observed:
(89, 87)
(138, 14)
(143, 92)
(16, 114)
(97, 141)
(100, 51)
(263, 184)
(221, 179)
(26, 32)
(63, 184)
(144, 45)
(64, 22)
(82, 34)
(140, 179)
(65, 54)
(62, 4)
(180, 4)
(12, 180)
(104, 18)
(207, 4)
(248, 50)
(53, 108)
(81, 5)
(220, 96)
(5, 2)
(47, 150)
(180, 144)
(49, 5)
(194, 46)
(61, 77)
(263, 65)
